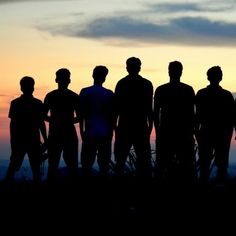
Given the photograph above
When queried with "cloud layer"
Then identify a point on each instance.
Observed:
(191, 7)
(200, 22)
(17, 1)
(183, 31)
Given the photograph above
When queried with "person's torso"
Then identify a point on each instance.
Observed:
(97, 108)
(62, 105)
(215, 108)
(176, 107)
(26, 116)
(133, 100)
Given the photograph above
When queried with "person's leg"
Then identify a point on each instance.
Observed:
(16, 159)
(70, 155)
(164, 159)
(88, 155)
(121, 150)
(143, 155)
(222, 158)
(185, 157)
(54, 154)
(205, 157)
(34, 154)
(104, 155)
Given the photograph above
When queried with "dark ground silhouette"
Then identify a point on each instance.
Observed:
(112, 206)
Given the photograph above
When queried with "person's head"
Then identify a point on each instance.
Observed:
(175, 70)
(27, 85)
(133, 65)
(63, 77)
(99, 74)
(214, 75)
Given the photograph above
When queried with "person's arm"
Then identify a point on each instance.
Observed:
(42, 126)
(150, 110)
(46, 109)
(81, 127)
(156, 113)
(43, 131)
(197, 117)
(80, 115)
(77, 110)
(11, 115)
(234, 116)
(116, 106)
(193, 110)
(112, 117)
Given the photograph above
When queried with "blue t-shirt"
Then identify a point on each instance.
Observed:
(96, 110)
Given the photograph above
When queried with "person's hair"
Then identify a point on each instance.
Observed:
(214, 74)
(100, 71)
(133, 65)
(133, 61)
(176, 66)
(63, 75)
(27, 85)
(27, 81)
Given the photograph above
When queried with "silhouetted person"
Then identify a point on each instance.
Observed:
(215, 120)
(133, 96)
(26, 114)
(96, 124)
(174, 125)
(62, 113)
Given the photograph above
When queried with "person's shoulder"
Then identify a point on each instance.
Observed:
(187, 86)
(72, 93)
(122, 83)
(145, 80)
(15, 103)
(201, 92)
(162, 87)
(227, 93)
(52, 93)
(123, 80)
(108, 91)
(37, 101)
(16, 100)
(86, 90)
(146, 83)
(85, 93)
(50, 96)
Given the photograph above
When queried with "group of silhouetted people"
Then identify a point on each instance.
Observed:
(179, 116)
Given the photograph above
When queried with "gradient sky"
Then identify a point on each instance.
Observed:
(39, 37)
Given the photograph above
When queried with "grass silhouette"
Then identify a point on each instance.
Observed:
(99, 205)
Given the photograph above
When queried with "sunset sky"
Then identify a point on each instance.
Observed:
(39, 37)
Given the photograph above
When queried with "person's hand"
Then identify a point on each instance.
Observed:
(44, 146)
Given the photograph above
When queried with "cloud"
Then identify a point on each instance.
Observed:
(179, 31)
(17, 1)
(189, 7)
